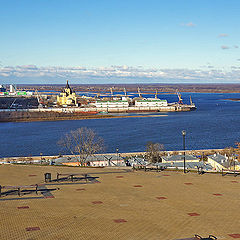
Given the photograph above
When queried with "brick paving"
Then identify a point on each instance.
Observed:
(164, 208)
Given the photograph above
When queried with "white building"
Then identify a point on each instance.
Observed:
(93, 161)
(218, 162)
(179, 158)
(151, 102)
(111, 104)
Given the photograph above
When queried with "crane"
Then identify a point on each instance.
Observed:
(40, 100)
(191, 100)
(139, 92)
(111, 91)
(13, 103)
(125, 92)
(180, 101)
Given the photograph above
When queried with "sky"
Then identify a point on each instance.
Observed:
(119, 41)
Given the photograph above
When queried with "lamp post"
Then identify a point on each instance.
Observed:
(117, 155)
(41, 154)
(184, 157)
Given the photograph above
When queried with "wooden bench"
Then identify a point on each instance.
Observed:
(19, 188)
(71, 176)
(230, 172)
(138, 167)
(154, 168)
(196, 237)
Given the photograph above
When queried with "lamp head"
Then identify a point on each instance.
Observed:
(183, 132)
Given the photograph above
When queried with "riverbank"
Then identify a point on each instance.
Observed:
(233, 99)
(55, 116)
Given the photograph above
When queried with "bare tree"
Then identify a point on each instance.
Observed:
(153, 151)
(237, 151)
(229, 151)
(82, 143)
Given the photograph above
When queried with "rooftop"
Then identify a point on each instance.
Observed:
(124, 205)
(174, 158)
(221, 159)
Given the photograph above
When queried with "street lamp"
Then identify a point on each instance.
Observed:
(184, 157)
(117, 155)
(41, 154)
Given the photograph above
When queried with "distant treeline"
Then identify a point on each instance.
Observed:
(160, 87)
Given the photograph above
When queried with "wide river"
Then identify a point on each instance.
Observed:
(215, 124)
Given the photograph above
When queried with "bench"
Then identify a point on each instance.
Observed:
(72, 176)
(138, 167)
(196, 237)
(20, 188)
(230, 172)
(154, 168)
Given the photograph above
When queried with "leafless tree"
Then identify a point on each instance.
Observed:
(175, 153)
(229, 151)
(153, 151)
(82, 143)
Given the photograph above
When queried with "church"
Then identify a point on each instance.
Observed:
(67, 96)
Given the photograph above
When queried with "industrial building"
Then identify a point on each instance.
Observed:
(111, 104)
(151, 102)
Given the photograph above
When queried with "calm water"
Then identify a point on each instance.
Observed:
(215, 124)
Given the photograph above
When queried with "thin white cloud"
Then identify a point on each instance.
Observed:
(223, 35)
(190, 24)
(224, 47)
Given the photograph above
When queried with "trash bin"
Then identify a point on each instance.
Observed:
(48, 177)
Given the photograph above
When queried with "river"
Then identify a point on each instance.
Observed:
(215, 124)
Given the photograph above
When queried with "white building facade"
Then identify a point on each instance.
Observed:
(111, 104)
(151, 102)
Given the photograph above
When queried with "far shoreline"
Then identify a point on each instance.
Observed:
(233, 99)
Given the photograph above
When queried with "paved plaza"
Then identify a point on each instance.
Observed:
(121, 204)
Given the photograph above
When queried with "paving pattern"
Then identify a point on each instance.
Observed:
(138, 205)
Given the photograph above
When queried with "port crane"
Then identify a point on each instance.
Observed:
(139, 93)
(180, 101)
(111, 91)
(191, 100)
(39, 98)
(13, 103)
(125, 92)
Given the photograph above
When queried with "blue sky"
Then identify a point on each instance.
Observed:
(117, 41)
